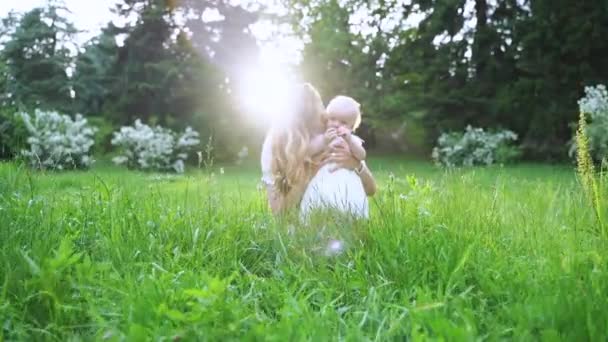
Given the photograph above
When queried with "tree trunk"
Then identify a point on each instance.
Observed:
(481, 46)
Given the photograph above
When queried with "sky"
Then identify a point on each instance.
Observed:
(86, 15)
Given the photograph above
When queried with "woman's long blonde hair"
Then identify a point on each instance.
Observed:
(291, 165)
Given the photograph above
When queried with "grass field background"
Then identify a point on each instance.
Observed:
(485, 253)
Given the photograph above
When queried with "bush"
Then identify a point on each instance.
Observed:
(594, 107)
(475, 147)
(13, 133)
(153, 148)
(57, 141)
(103, 135)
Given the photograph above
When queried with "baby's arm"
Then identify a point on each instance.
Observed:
(356, 146)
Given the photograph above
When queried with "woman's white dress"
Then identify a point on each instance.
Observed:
(340, 190)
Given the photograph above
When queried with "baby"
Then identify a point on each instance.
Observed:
(339, 189)
(344, 117)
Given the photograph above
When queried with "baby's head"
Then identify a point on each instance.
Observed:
(343, 111)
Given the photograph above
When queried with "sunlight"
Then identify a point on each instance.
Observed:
(264, 89)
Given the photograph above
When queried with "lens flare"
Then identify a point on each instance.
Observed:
(265, 90)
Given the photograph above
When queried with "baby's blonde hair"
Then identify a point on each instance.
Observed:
(345, 104)
(291, 164)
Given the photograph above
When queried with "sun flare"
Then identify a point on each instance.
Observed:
(265, 89)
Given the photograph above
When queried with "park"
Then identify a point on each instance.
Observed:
(133, 205)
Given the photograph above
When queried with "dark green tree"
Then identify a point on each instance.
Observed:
(141, 74)
(563, 49)
(338, 58)
(37, 55)
(92, 79)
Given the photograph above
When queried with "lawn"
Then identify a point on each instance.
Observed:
(485, 253)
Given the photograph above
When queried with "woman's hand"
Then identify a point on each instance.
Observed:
(330, 135)
(341, 155)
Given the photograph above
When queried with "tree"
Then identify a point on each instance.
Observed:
(92, 77)
(140, 73)
(37, 55)
(337, 59)
(175, 75)
(522, 66)
(563, 48)
(225, 40)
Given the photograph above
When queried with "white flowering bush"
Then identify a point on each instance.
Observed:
(153, 148)
(56, 141)
(242, 155)
(475, 147)
(594, 106)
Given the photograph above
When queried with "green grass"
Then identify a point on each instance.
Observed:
(109, 254)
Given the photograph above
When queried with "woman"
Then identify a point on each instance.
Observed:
(287, 164)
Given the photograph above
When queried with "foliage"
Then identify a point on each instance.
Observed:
(120, 255)
(339, 60)
(92, 79)
(437, 65)
(153, 148)
(552, 71)
(474, 147)
(594, 108)
(594, 186)
(103, 134)
(167, 72)
(56, 141)
(13, 134)
(144, 68)
(37, 56)
(226, 41)
(491, 63)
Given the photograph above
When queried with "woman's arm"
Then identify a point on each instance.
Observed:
(280, 203)
(369, 183)
(274, 200)
(343, 158)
